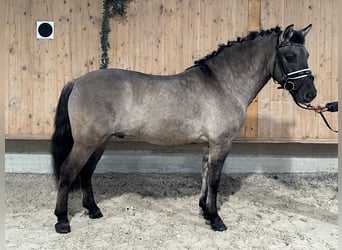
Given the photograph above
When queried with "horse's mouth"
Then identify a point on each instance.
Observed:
(306, 99)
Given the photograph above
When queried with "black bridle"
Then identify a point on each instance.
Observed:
(288, 81)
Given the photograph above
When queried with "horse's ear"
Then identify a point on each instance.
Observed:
(306, 30)
(286, 35)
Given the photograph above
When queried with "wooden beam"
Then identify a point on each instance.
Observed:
(253, 23)
(3, 70)
(4, 83)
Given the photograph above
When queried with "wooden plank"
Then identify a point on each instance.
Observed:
(5, 63)
(204, 32)
(158, 40)
(325, 62)
(170, 47)
(12, 99)
(42, 58)
(92, 24)
(3, 70)
(254, 14)
(312, 125)
(22, 121)
(146, 32)
(172, 35)
(119, 40)
(143, 36)
(182, 29)
(251, 123)
(333, 50)
(132, 37)
(334, 67)
(194, 31)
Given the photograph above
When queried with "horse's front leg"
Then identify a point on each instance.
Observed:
(217, 156)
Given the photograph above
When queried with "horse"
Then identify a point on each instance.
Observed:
(206, 103)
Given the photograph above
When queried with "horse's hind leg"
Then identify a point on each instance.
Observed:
(204, 187)
(85, 175)
(69, 171)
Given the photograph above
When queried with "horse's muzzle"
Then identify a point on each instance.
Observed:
(309, 96)
(306, 90)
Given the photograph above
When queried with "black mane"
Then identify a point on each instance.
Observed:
(251, 36)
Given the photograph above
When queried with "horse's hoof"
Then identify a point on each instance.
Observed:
(95, 215)
(63, 227)
(217, 224)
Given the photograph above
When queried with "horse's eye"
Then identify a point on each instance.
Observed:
(290, 58)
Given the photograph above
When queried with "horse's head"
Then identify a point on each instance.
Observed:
(291, 69)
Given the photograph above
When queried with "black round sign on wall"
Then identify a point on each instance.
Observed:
(45, 30)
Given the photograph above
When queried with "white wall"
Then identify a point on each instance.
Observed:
(34, 157)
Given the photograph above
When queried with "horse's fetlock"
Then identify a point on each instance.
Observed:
(94, 210)
(60, 213)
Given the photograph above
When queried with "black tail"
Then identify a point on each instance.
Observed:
(62, 141)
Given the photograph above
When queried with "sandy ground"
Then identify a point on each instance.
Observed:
(160, 211)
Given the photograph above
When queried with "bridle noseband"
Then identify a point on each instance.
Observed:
(288, 81)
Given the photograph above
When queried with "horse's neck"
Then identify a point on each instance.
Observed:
(245, 68)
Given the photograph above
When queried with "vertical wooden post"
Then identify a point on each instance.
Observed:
(3, 71)
(3, 83)
(253, 23)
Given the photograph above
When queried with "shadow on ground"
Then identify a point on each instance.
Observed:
(158, 186)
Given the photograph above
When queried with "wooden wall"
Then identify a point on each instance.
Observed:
(160, 37)
(278, 117)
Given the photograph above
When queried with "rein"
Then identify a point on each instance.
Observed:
(309, 107)
(288, 84)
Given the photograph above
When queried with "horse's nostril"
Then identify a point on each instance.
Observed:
(309, 96)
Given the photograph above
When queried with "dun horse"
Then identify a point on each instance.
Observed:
(206, 103)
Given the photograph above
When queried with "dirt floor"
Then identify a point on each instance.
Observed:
(160, 211)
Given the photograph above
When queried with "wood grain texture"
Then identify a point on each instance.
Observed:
(161, 37)
(251, 123)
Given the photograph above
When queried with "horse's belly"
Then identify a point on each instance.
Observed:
(168, 132)
(164, 140)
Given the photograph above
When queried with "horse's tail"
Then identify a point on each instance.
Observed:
(62, 141)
